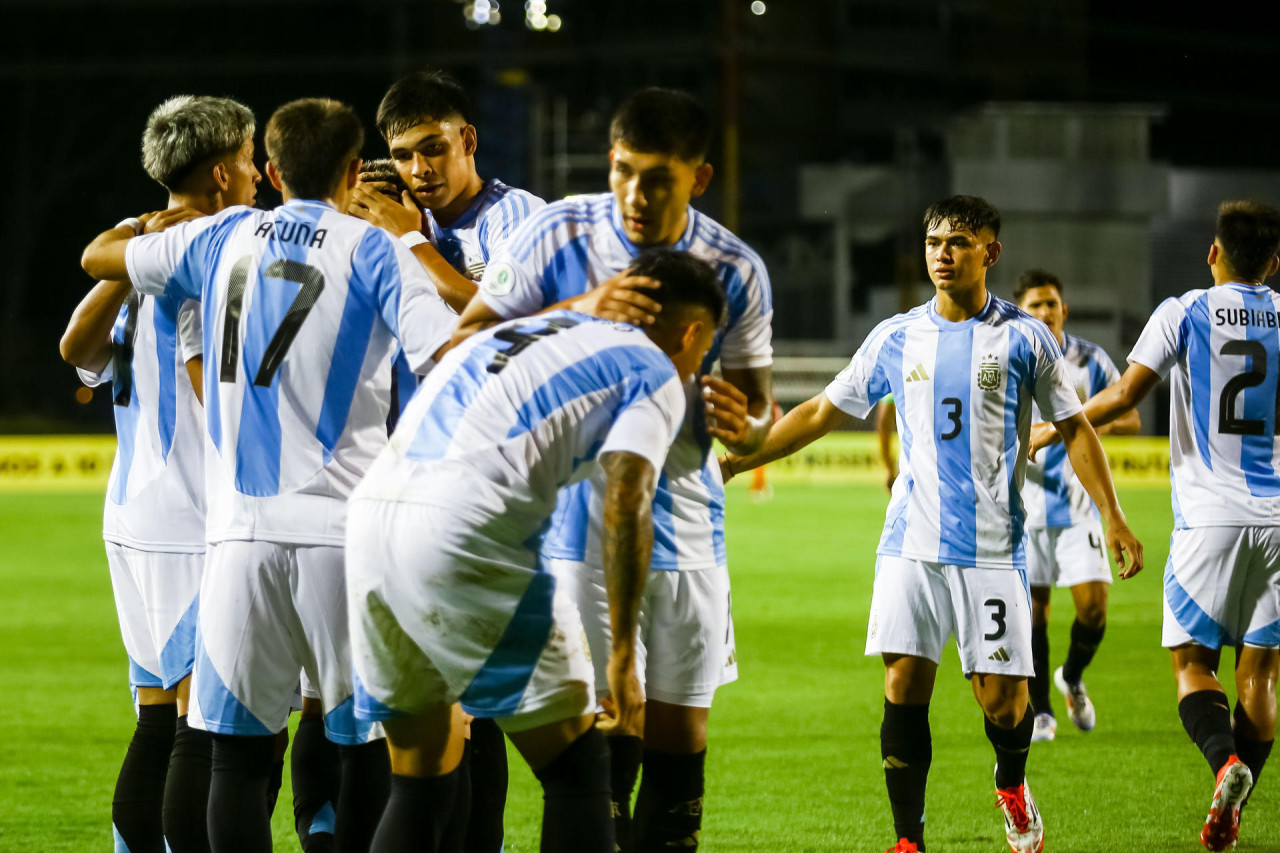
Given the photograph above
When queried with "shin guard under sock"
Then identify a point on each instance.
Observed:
(1012, 746)
(362, 794)
(455, 830)
(488, 787)
(316, 771)
(238, 818)
(1084, 645)
(138, 801)
(1206, 716)
(416, 814)
(186, 792)
(669, 804)
(1253, 753)
(1038, 684)
(625, 754)
(575, 798)
(906, 748)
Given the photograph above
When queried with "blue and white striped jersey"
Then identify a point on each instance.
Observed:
(301, 308)
(155, 496)
(963, 393)
(1052, 494)
(519, 411)
(568, 248)
(1222, 347)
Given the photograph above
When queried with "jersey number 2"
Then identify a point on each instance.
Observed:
(1228, 423)
(312, 281)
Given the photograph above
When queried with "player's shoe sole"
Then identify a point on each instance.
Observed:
(1023, 828)
(903, 846)
(1046, 728)
(1079, 705)
(1222, 826)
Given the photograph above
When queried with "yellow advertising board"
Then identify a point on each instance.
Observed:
(55, 462)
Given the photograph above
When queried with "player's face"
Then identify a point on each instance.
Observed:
(653, 192)
(1046, 305)
(242, 177)
(958, 257)
(434, 160)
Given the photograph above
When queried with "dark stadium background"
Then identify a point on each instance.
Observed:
(812, 82)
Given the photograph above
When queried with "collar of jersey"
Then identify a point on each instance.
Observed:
(472, 211)
(681, 245)
(308, 202)
(1241, 287)
(945, 324)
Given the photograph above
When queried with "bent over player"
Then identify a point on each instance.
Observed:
(302, 306)
(963, 370)
(1221, 346)
(450, 600)
(1064, 532)
(150, 349)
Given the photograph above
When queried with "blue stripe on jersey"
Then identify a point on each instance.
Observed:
(716, 505)
(887, 379)
(164, 315)
(1256, 451)
(374, 261)
(1194, 335)
(1057, 508)
(1200, 625)
(566, 538)
(139, 677)
(435, 432)
(223, 713)
(554, 217)
(957, 509)
(258, 445)
(212, 248)
(482, 237)
(499, 686)
(664, 522)
(1179, 523)
(342, 727)
(126, 418)
(566, 274)
(178, 656)
(1015, 387)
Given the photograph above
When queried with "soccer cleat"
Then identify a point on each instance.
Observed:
(1079, 707)
(903, 846)
(1223, 823)
(1046, 726)
(1022, 825)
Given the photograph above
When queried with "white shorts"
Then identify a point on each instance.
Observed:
(917, 605)
(1067, 556)
(267, 611)
(157, 598)
(685, 649)
(1222, 587)
(442, 613)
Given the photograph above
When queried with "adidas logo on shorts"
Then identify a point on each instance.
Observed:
(999, 654)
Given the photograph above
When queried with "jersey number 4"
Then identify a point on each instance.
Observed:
(312, 281)
(1228, 423)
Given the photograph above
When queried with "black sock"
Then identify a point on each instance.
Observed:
(416, 814)
(1084, 644)
(1011, 746)
(362, 794)
(669, 804)
(238, 819)
(575, 798)
(1038, 684)
(1252, 752)
(488, 787)
(186, 792)
(906, 748)
(139, 796)
(625, 754)
(276, 779)
(455, 830)
(316, 771)
(1206, 716)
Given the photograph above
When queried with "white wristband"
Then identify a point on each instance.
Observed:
(133, 222)
(413, 238)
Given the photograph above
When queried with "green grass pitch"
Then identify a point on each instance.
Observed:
(794, 761)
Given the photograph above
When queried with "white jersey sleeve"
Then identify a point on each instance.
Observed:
(749, 341)
(408, 300)
(1054, 394)
(856, 389)
(648, 426)
(174, 255)
(1157, 347)
(512, 282)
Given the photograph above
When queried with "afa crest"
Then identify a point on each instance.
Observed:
(989, 373)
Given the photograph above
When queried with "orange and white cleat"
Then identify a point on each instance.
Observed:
(1222, 826)
(903, 846)
(1022, 825)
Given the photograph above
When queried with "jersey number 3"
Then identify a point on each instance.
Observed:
(312, 281)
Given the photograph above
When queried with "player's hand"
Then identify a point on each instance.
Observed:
(154, 223)
(398, 217)
(620, 300)
(624, 706)
(1125, 549)
(727, 417)
(726, 471)
(1042, 435)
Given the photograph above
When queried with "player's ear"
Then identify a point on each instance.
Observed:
(1213, 254)
(993, 253)
(1272, 267)
(1064, 312)
(221, 176)
(273, 175)
(469, 140)
(353, 173)
(702, 178)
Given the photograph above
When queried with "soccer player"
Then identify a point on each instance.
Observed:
(586, 244)
(450, 600)
(963, 369)
(886, 429)
(1064, 532)
(1222, 580)
(200, 149)
(302, 306)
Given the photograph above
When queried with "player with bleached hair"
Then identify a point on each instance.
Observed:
(302, 307)
(200, 149)
(1221, 346)
(964, 370)
(450, 599)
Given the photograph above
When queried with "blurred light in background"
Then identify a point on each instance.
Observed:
(758, 8)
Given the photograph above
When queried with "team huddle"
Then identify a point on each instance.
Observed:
(430, 461)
